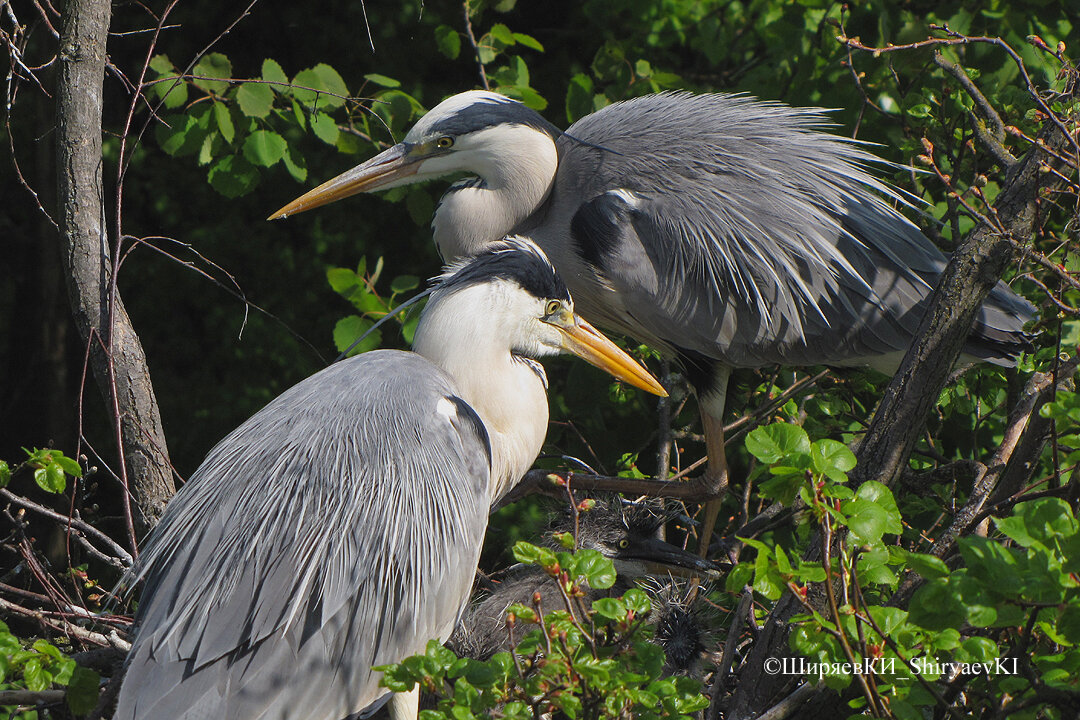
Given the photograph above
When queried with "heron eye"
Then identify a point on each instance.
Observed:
(445, 141)
(623, 544)
(553, 307)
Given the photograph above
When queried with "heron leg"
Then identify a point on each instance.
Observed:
(405, 706)
(715, 480)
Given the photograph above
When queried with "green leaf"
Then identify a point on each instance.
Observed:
(772, 443)
(324, 128)
(37, 679)
(1039, 522)
(255, 100)
(343, 281)
(175, 134)
(637, 602)
(167, 86)
(264, 148)
(528, 96)
(68, 464)
(82, 690)
(881, 496)
(525, 552)
(935, 606)
(597, 570)
(349, 329)
(224, 122)
(928, 566)
(161, 64)
(920, 110)
(382, 80)
(213, 65)
(528, 41)
(832, 459)
(502, 33)
(5, 474)
(873, 569)
(448, 41)
(295, 164)
(579, 97)
(404, 283)
(609, 608)
(866, 520)
(321, 86)
(233, 176)
(171, 90)
(299, 114)
(272, 73)
(51, 478)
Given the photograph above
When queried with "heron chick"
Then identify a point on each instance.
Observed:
(627, 534)
(724, 230)
(340, 526)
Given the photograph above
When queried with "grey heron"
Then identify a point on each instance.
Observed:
(726, 231)
(624, 533)
(340, 526)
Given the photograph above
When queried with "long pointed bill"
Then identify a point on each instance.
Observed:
(662, 558)
(386, 167)
(583, 340)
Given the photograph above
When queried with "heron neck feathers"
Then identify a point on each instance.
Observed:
(516, 166)
(508, 394)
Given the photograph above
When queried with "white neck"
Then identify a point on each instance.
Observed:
(517, 167)
(508, 395)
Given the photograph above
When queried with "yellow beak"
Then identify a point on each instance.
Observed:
(386, 167)
(585, 341)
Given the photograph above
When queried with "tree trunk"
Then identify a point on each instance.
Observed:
(117, 356)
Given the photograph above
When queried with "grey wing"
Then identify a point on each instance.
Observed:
(337, 529)
(733, 228)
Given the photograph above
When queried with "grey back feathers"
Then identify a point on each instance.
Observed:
(735, 230)
(302, 545)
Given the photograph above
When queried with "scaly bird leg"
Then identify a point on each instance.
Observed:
(715, 479)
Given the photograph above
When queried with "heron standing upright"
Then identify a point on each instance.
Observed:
(721, 229)
(340, 526)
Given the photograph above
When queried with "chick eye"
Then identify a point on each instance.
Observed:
(553, 307)
(445, 142)
(623, 544)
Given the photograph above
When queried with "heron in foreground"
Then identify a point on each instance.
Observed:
(724, 230)
(626, 534)
(340, 527)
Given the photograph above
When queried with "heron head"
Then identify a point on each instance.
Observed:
(628, 534)
(511, 294)
(478, 132)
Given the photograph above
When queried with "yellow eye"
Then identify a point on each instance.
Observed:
(553, 307)
(623, 544)
(445, 141)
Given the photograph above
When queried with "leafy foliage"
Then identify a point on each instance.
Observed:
(40, 667)
(581, 661)
(1006, 621)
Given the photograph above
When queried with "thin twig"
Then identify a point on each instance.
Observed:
(746, 604)
(72, 523)
(475, 47)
